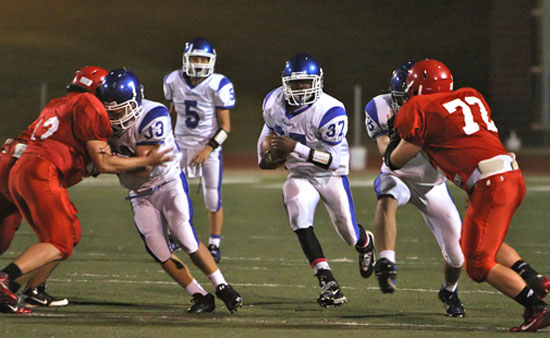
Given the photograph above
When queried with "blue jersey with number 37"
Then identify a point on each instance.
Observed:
(322, 125)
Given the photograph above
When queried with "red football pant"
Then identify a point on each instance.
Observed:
(493, 202)
(36, 190)
(10, 220)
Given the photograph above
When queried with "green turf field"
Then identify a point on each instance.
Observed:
(116, 289)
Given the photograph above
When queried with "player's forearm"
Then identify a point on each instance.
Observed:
(321, 158)
(382, 143)
(115, 165)
(399, 156)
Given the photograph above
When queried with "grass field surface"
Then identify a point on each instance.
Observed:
(117, 290)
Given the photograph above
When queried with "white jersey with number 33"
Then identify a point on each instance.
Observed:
(152, 127)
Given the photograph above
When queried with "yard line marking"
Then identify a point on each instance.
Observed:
(254, 285)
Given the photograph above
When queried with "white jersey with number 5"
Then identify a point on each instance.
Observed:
(378, 112)
(322, 125)
(152, 127)
(196, 106)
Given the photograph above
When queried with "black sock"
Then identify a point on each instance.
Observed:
(13, 286)
(13, 271)
(524, 270)
(528, 298)
(310, 245)
(362, 238)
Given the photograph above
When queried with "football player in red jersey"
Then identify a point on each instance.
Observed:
(455, 129)
(70, 133)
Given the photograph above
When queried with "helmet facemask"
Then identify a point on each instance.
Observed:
(298, 94)
(197, 69)
(123, 115)
(398, 99)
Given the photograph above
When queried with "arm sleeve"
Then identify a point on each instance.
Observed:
(410, 124)
(225, 95)
(91, 121)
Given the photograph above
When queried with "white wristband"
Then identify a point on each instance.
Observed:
(302, 150)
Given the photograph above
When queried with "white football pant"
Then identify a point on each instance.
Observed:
(169, 202)
(302, 194)
(210, 173)
(436, 206)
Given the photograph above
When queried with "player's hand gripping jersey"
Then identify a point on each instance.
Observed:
(61, 131)
(454, 128)
(151, 128)
(196, 106)
(322, 125)
(378, 112)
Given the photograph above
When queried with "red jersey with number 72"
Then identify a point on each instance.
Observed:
(455, 129)
(61, 131)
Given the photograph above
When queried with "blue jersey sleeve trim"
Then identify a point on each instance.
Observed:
(149, 143)
(372, 111)
(224, 82)
(267, 97)
(331, 114)
(225, 107)
(152, 114)
(332, 143)
(164, 80)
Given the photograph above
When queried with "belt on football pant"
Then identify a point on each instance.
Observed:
(493, 166)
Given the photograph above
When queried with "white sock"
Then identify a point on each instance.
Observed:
(195, 287)
(214, 239)
(217, 278)
(388, 254)
(450, 286)
(321, 265)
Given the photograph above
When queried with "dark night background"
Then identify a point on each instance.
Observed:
(489, 45)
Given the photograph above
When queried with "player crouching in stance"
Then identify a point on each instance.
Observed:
(158, 193)
(456, 131)
(420, 184)
(306, 129)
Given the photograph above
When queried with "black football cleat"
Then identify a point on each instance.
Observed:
(453, 305)
(202, 303)
(367, 257)
(215, 252)
(331, 295)
(39, 297)
(386, 274)
(229, 296)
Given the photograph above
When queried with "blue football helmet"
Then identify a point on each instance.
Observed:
(202, 48)
(302, 80)
(121, 94)
(398, 85)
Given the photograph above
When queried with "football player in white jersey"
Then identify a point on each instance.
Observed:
(201, 100)
(159, 195)
(310, 129)
(420, 184)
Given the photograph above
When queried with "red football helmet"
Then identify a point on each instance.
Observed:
(429, 77)
(89, 78)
